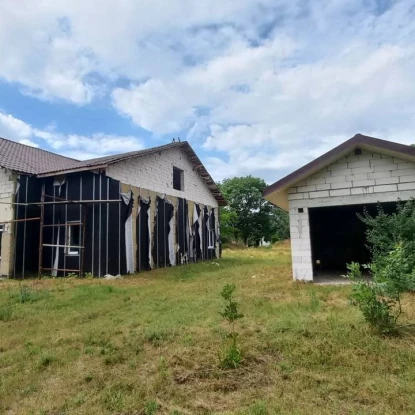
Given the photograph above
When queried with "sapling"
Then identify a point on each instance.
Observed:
(230, 356)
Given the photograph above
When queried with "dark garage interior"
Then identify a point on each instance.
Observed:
(338, 236)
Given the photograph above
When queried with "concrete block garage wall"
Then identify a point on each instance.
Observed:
(155, 172)
(353, 179)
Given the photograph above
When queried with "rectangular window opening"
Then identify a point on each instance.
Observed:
(73, 239)
(178, 179)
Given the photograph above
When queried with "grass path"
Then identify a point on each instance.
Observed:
(148, 344)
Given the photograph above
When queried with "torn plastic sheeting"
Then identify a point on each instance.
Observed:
(129, 246)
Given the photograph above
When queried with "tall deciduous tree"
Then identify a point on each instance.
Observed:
(253, 217)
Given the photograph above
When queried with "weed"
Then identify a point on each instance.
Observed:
(88, 378)
(157, 337)
(314, 302)
(45, 361)
(27, 294)
(6, 312)
(150, 407)
(114, 398)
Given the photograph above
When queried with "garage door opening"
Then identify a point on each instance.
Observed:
(338, 237)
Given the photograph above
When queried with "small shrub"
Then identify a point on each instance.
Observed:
(392, 244)
(230, 356)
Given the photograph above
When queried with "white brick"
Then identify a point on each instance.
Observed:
(406, 179)
(363, 183)
(385, 188)
(304, 189)
(407, 172)
(296, 196)
(352, 157)
(360, 170)
(292, 190)
(406, 186)
(351, 177)
(306, 259)
(357, 164)
(387, 180)
(406, 166)
(336, 179)
(320, 174)
(340, 192)
(386, 167)
(382, 161)
(310, 182)
(323, 186)
(379, 175)
(341, 185)
(362, 190)
(314, 195)
(303, 253)
(337, 167)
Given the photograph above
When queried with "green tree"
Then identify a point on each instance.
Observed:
(252, 216)
(228, 223)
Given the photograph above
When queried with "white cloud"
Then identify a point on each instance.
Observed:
(271, 106)
(80, 147)
(260, 86)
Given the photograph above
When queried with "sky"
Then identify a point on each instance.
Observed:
(257, 87)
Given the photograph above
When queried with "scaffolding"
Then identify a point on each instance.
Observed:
(82, 223)
(61, 201)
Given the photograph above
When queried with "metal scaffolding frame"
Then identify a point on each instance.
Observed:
(61, 201)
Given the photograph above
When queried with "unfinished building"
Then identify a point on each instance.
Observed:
(324, 197)
(112, 215)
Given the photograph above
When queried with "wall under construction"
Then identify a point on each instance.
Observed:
(92, 223)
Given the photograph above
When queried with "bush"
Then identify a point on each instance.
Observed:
(391, 240)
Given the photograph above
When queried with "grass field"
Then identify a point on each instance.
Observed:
(149, 344)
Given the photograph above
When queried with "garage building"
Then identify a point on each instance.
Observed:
(324, 197)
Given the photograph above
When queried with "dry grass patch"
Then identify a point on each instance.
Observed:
(149, 344)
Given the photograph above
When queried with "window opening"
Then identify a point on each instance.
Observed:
(178, 179)
(73, 239)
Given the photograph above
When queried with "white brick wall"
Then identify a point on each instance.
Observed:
(353, 179)
(301, 245)
(155, 172)
(7, 188)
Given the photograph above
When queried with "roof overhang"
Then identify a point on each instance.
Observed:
(277, 194)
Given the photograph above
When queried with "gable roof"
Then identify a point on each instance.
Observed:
(41, 163)
(30, 160)
(276, 193)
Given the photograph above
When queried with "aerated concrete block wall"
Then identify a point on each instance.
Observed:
(7, 190)
(155, 172)
(353, 179)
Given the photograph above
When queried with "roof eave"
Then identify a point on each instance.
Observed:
(74, 170)
(277, 192)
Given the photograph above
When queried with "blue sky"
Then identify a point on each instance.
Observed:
(256, 86)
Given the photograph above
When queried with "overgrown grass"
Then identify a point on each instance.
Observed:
(148, 344)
